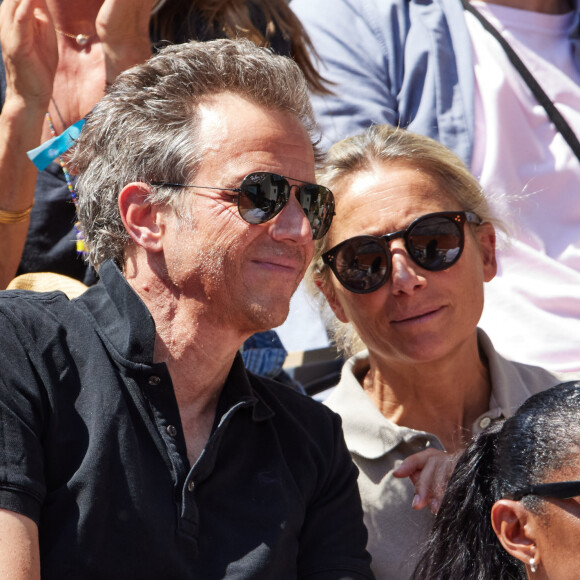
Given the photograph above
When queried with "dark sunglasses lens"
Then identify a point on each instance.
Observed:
(263, 197)
(435, 243)
(318, 205)
(361, 265)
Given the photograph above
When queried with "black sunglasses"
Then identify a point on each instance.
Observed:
(263, 195)
(559, 490)
(434, 241)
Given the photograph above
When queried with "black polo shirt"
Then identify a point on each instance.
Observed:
(94, 452)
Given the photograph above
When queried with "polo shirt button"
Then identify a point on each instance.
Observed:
(485, 423)
(190, 486)
(171, 430)
(154, 380)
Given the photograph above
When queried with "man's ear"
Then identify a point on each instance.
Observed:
(142, 220)
(514, 526)
(328, 290)
(486, 238)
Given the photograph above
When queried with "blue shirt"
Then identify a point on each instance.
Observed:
(400, 62)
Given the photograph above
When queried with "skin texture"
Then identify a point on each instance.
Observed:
(429, 471)
(19, 555)
(420, 327)
(549, 536)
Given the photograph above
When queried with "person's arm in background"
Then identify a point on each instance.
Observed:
(30, 53)
(358, 54)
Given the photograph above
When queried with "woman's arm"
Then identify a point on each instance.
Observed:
(30, 56)
(30, 53)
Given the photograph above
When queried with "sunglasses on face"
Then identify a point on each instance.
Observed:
(434, 241)
(559, 490)
(263, 195)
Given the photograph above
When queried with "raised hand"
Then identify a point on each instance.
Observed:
(29, 50)
(123, 29)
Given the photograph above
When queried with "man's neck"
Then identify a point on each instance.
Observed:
(198, 352)
(543, 6)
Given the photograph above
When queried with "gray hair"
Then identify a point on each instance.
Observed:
(146, 128)
(381, 144)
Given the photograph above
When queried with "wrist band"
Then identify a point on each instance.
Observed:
(44, 154)
(14, 217)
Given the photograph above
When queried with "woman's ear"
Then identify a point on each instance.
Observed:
(141, 218)
(514, 526)
(328, 290)
(486, 239)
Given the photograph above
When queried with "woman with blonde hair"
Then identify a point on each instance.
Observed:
(403, 268)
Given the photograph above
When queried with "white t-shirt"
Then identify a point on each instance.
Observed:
(532, 311)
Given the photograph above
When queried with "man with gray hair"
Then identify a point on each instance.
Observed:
(135, 444)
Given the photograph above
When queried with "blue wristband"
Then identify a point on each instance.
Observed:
(46, 153)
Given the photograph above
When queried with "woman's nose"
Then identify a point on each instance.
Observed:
(406, 276)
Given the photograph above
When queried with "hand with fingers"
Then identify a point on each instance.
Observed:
(30, 54)
(29, 50)
(123, 29)
(429, 470)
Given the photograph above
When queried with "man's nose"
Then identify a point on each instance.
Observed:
(292, 223)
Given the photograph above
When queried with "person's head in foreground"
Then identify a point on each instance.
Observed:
(512, 506)
(197, 175)
(409, 249)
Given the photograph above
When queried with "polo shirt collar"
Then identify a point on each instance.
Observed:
(240, 389)
(125, 324)
(121, 317)
(367, 432)
(371, 435)
(509, 387)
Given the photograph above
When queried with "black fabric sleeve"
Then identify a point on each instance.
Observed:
(22, 411)
(333, 540)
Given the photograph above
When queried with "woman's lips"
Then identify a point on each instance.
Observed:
(421, 316)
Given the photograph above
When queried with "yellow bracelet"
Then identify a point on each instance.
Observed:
(14, 217)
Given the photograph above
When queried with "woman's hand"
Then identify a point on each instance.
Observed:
(429, 471)
(30, 53)
(123, 29)
(29, 50)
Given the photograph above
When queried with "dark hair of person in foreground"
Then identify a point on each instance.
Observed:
(530, 448)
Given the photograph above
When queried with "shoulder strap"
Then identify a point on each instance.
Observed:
(536, 89)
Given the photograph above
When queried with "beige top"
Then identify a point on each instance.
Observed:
(378, 446)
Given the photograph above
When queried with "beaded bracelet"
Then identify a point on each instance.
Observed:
(14, 217)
